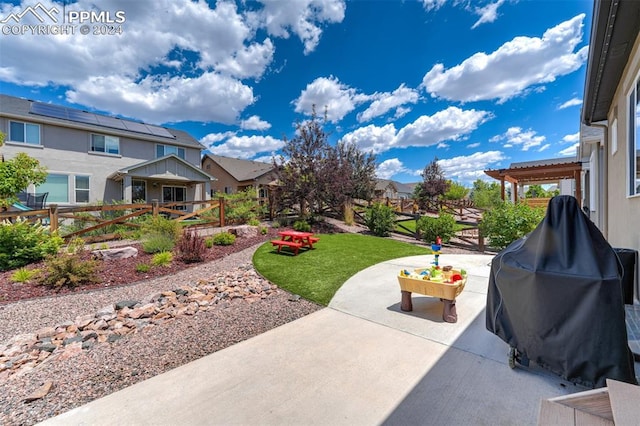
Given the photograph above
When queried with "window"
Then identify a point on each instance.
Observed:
(57, 186)
(633, 145)
(228, 190)
(106, 144)
(174, 193)
(138, 190)
(24, 132)
(162, 150)
(82, 189)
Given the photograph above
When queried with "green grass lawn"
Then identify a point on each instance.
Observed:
(317, 274)
(411, 224)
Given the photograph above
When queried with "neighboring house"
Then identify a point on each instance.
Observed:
(234, 175)
(405, 190)
(610, 137)
(386, 188)
(97, 158)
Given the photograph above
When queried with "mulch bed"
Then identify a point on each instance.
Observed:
(123, 271)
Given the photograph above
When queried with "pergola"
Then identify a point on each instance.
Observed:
(538, 173)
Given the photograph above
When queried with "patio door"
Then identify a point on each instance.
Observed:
(174, 194)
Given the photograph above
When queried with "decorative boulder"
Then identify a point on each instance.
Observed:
(244, 231)
(115, 253)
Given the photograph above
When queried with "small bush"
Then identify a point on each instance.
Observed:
(191, 247)
(154, 225)
(143, 267)
(224, 239)
(156, 243)
(68, 270)
(302, 226)
(208, 242)
(443, 226)
(264, 230)
(22, 243)
(163, 258)
(254, 222)
(508, 222)
(275, 224)
(380, 219)
(24, 275)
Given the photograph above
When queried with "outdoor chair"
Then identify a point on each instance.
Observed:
(36, 201)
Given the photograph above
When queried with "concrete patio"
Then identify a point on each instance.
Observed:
(361, 361)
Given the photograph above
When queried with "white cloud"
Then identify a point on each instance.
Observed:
(544, 147)
(254, 123)
(572, 138)
(433, 4)
(213, 138)
(194, 59)
(570, 103)
(468, 168)
(247, 146)
(385, 102)
(488, 13)
(515, 136)
(473, 145)
(442, 145)
(572, 150)
(517, 66)
(301, 18)
(451, 124)
(389, 168)
(372, 138)
(329, 94)
(266, 158)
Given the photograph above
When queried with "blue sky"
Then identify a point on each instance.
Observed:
(477, 84)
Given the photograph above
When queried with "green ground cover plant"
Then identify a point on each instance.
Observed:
(317, 274)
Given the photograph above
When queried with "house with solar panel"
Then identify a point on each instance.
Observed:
(235, 174)
(98, 158)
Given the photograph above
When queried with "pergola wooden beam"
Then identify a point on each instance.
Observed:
(520, 176)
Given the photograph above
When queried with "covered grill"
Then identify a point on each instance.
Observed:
(555, 297)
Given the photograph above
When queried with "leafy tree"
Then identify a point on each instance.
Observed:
(455, 191)
(433, 184)
(537, 191)
(16, 174)
(485, 195)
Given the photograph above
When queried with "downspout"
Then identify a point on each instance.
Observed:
(604, 199)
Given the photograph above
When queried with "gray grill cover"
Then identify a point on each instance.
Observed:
(555, 295)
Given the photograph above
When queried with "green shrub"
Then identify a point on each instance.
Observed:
(302, 226)
(208, 242)
(508, 222)
(254, 222)
(380, 219)
(143, 267)
(243, 206)
(443, 226)
(22, 243)
(275, 224)
(68, 270)
(24, 275)
(155, 243)
(163, 258)
(191, 247)
(160, 225)
(224, 239)
(264, 230)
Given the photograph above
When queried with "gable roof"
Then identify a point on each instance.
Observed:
(614, 30)
(170, 167)
(242, 170)
(383, 184)
(22, 109)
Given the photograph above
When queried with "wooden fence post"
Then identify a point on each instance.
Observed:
(155, 207)
(221, 207)
(480, 240)
(53, 217)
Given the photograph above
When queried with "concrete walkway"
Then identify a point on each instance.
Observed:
(361, 361)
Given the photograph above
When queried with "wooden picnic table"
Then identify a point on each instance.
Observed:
(295, 240)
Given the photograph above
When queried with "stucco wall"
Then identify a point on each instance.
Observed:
(623, 211)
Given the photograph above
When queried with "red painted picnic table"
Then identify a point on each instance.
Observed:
(295, 240)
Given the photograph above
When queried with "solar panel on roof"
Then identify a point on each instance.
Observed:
(160, 131)
(49, 110)
(65, 113)
(81, 116)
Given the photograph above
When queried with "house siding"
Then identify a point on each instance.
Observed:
(225, 179)
(623, 228)
(66, 151)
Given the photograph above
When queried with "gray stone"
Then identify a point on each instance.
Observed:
(71, 340)
(47, 347)
(115, 253)
(113, 337)
(126, 304)
(244, 231)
